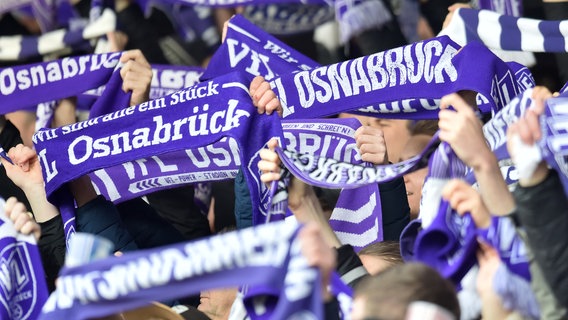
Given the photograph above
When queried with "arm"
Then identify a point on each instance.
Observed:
(463, 131)
(26, 174)
(302, 199)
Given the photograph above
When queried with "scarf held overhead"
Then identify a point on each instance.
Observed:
(271, 252)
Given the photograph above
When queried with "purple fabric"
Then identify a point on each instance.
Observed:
(285, 19)
(502, 236)
(507, 7)
(271, 252)
(516, 293)
(27, 85)
(208, 138)
(553, 144)
(166, 80)
(23, 289)
(249, 49)
(448, 244)
(403, 81)
(74, 37)
(227, 3)
(513, 33)
(9, 5)
(331, 173)
(357, 16)
(357, 216)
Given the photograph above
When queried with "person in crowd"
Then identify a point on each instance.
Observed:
(421, 134)
(540, 213)
(380, 256)
(388, 294)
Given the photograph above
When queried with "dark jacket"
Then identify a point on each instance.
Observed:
(542, 211)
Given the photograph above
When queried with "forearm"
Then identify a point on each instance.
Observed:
(492, 187)
(42, 209)
(83, 190)
(308, 209)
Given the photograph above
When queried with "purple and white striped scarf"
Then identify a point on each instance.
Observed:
(23, 289)
(271, 252)
(498, 31)
(13, 48)
(511, 38)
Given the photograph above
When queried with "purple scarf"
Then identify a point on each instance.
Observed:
(288, 18)
(271, 252)
(505, 32)
(23, 290)
(249, 49)
(13, 48)
(458, 248)
(155, 148)
(553, 145)
(357, 217)
(166, 80)
(27, 85)
(403, 81)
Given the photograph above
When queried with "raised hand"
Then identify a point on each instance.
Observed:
(136, 76)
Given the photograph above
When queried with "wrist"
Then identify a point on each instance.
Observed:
(485, 162)
(34, 190)
(540, 174)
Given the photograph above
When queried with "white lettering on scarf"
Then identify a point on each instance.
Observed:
(37, 75)
(249, 247)
(200, 123)
(377, 71)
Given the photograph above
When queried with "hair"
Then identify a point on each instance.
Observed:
(387, 295)
(389, 251)
(427, 127)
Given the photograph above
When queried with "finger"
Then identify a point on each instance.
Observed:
(9, 205)
(30, 227)
(266, 97)
(272, 144)
(524, 132)
(533, 124)
(17, 210)
(457, 198)
(488, 250)
(135, 55)
(268, 166)
(269, 155)
(19, 222)
(274, 105)
(450, 188)
(256, 82)
(457, 102)
(269, 177)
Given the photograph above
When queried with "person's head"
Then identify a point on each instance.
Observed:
(216, 304)
(396, 132)
(386, 296)
(414, 181)
(379, 256)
